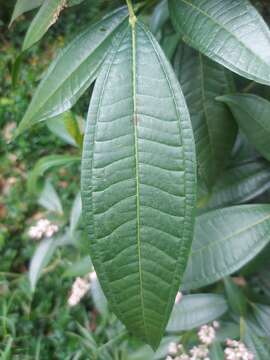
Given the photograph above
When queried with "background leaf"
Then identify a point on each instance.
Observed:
(23, 6)
(230, 32)
(196, 310)
(70, 75)
(76, 212)
(235, 296)
(225, 240)
(214, 128)
(252, 114)
(138, 179)
(239, 184)
(49, 199)
(47, 15)
(46, 163)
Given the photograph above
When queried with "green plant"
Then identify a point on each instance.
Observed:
(139, 173)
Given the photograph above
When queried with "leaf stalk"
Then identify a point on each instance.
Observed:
(132, 16)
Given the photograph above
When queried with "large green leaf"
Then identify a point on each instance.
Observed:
(225, 240)
(23, 6)
(202, 80)
(240, 184)
(252, 115)
(196, 310)
(230, 32)
(44, 19)
(138, 180)
(73, 70)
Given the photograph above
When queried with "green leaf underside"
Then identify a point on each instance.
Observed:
(240, 184)
(138, 180)
(230, 32)
(202, 80)
(224, 241)
(252, 114)
(196, 310)
(73, 71)
(44, 19)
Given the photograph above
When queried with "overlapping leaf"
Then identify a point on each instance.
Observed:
(44, 19)
(252, 114)
(202, 80)
(239, 184)
(230, 32)
(138, 178)
(225, 240)
(72, 72)
(23, 6)
(196, 310)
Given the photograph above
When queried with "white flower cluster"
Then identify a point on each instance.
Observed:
(80, 287)
(236, 350)
(206, 334)
(42, 228)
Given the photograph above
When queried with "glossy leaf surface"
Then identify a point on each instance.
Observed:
(138, 179)
(230, 32)
(225, 240)
(73, 70)
(196, 310)
(252, 114)
(202, 80)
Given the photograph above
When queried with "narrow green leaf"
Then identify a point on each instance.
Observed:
(99, 299)
(196, 310)
(46, 163)
(57, 126)
(215, 130)
(240, 184)
(40, 260)
(49, 199)
(236, 297)
(138, 179)
(44, 19)
(23, 6)
(225, 240)
(73, 71)
(159, 17)
(252, 114)
(230, 32)
(42, 256)
(216, 351)
(76, 212)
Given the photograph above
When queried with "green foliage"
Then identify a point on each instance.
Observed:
(149, 183)
(138, 178)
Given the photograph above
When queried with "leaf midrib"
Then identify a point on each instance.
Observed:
(136, 154)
